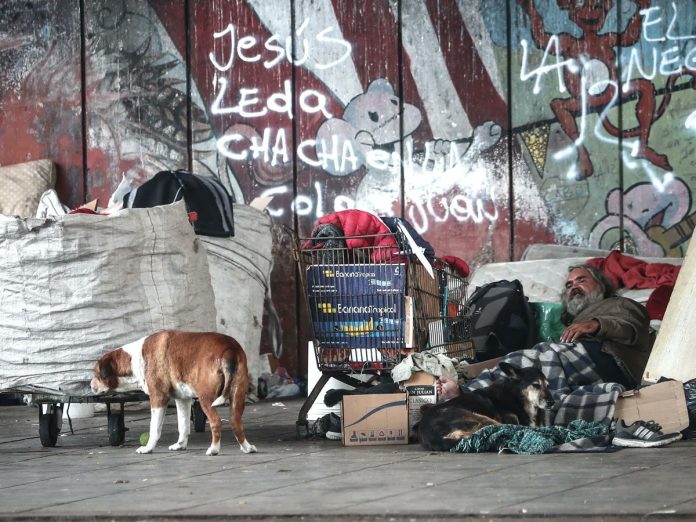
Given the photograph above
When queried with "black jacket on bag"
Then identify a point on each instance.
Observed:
(205, 196)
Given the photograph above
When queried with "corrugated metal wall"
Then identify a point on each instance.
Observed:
(488, 124)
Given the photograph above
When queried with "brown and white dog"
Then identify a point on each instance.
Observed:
(182, 365)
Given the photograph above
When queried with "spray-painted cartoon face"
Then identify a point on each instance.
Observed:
(371, 120)
(648, 206)
(376, 113)
(589, 15)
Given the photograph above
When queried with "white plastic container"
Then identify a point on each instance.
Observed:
(319, 409)
(79, 410)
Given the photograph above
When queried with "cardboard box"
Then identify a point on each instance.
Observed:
(472, 370)
(420, 390)
(664, 402)
(374, 419)
(358, 306)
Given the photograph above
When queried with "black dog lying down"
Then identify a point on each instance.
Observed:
(517, 398)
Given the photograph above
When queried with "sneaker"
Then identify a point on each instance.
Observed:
(334, 435)
(642, 434)
(328, 424)
(333, 430)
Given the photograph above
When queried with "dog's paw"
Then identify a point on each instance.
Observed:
(143, 450)
(212, 451)
(247, 448)
(177, 447)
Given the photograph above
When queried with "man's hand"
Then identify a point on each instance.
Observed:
(447, 388)
(576, 330)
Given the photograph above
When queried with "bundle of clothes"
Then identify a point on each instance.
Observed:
(384, 238)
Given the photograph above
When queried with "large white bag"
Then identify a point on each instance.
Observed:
(240, 271)
(72, 288)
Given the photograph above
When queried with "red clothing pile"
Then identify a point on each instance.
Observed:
(629, 272)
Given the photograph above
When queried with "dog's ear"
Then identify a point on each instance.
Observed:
(509, 369)
(106, 369)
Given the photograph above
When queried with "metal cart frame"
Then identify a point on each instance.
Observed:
(51, 413)
(371, 305)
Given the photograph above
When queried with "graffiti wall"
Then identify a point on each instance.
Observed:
(488, 124)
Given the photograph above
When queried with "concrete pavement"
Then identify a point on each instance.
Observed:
(83, 477)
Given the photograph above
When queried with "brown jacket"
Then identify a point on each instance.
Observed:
(624, 330)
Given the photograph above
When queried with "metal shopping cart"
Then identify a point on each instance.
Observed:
(371, 305)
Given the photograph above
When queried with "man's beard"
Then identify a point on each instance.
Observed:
(577, 301)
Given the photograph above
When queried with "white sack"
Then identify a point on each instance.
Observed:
(240, 269)
(73, 288)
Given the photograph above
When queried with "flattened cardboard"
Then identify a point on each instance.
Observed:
(420, 388)
(663, 402)
(374, 419)
(472, 370)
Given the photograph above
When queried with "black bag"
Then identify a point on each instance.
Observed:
(690, 394)
(205, 196)
(502, 319)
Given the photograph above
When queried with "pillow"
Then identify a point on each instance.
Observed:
(21, 186)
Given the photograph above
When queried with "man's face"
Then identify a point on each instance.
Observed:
(581, 290)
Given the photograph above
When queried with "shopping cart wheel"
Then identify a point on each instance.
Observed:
(117, 428)
(198, 416)
(50, 422)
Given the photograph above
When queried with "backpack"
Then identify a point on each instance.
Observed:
(502, 319)
(205, 196)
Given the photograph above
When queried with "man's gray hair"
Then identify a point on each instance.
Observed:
(608, 289)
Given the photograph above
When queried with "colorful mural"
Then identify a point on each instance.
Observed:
(612, 84)
(488, 124)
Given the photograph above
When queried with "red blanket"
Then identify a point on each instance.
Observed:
(458, 264)
(629, 272)
(362, 230)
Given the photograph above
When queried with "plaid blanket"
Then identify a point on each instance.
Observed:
(573, 381)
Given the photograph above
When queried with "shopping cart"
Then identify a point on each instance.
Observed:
(371, 305)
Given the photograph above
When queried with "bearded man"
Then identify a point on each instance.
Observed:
(614, 331)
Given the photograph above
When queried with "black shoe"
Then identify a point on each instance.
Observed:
(642, 434)
(328, 424)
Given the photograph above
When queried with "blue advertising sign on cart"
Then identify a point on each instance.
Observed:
(358, 305)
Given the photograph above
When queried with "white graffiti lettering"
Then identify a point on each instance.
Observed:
(649, 21)
(248, 106)
(543, 68)
(323, 38)
(598, 86)
(245, 48)
(258, 148)
(461, 208)
(421, 214)
(667, 62)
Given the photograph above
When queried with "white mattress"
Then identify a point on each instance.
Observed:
(543, 279)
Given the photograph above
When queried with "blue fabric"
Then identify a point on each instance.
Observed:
(391, 223)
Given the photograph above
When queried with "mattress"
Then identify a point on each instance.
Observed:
(543, 279)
